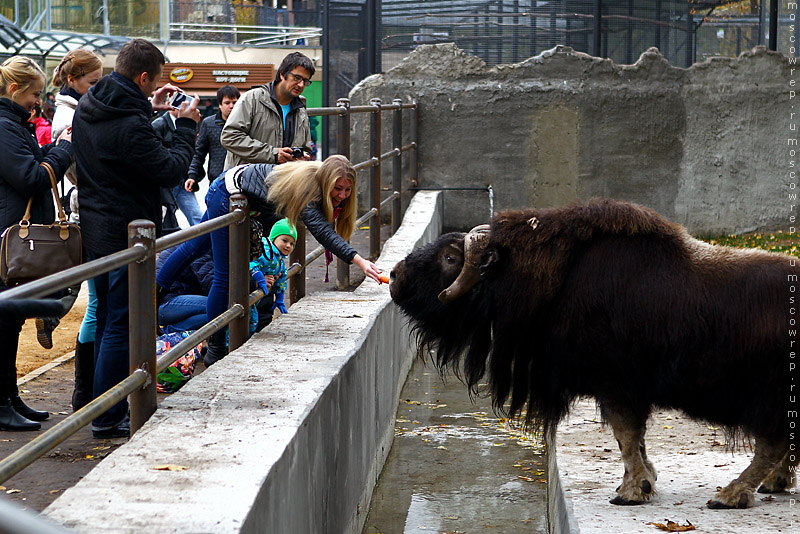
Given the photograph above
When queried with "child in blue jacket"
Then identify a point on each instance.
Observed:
(276, 249)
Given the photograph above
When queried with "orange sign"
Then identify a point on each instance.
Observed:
(206, 78)
(181, 74)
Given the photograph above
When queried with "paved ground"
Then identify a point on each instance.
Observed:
(691, 461)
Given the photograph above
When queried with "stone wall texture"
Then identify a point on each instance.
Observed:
(705, 146)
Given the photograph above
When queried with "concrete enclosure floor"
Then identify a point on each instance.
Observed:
(691, 461)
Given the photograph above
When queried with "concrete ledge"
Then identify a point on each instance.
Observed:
(287, 434)
(691, 461)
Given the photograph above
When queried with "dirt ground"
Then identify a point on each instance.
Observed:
(31, 355)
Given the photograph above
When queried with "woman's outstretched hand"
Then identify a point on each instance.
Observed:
(368, 267)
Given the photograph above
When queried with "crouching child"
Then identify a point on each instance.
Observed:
(272, 263)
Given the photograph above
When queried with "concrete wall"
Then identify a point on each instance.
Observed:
(288, 434)
(704, 146)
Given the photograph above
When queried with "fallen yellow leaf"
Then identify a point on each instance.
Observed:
(672, 526)
(170, 467)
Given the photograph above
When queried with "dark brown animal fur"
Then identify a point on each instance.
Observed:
(611, 300)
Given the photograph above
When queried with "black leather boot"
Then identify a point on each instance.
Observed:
(26, 411)
(217, 349)
(84, 375)
(11, 420)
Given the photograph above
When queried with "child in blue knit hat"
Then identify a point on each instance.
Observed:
(276, 249)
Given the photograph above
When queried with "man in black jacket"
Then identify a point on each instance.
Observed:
(121, 164)
(171, 198)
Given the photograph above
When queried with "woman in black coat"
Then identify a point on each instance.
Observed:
(22, 177)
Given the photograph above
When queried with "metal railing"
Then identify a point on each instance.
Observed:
(343, 111)
(140, 256)
(195, 32)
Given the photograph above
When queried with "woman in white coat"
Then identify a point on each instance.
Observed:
(78, 71)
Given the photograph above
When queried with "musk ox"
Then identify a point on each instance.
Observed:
(611, 300)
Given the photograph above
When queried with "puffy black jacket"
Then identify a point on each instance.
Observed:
(21, 176)
(208, 143)
(122, 162)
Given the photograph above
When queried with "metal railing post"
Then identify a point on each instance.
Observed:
(413, 156)
(375, 180)
(142, 320)
(397, 163)
(343, 143)
(297, 283)
(239, 272)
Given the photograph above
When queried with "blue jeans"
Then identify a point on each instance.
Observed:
(184, 312)
(188, 204)
(111, 348)
(89, 323)
(217, 204)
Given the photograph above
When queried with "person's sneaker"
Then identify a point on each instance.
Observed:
(44, 330)
(120, 430)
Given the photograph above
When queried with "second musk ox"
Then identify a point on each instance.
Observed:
(611, 300)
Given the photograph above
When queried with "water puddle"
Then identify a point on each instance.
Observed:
(457, 468)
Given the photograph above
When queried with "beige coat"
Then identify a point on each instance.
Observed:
(253, 132)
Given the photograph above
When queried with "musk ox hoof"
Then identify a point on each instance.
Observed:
(745, 500)
(622, 501)
(764, 489)
(774, 484)
(719, 505)
(628, 494)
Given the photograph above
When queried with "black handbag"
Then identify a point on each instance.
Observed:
(31, 251)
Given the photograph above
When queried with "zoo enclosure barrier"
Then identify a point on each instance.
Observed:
(140, 257)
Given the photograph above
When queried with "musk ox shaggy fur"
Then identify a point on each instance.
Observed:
(612, 301)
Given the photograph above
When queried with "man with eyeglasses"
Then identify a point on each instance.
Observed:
(271, 119)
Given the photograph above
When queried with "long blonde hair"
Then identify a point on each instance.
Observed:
(296, 183)
(77, 63)
(20, 70)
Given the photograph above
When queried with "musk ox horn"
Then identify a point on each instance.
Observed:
(474, 243)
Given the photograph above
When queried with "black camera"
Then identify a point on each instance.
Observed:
(297, 152)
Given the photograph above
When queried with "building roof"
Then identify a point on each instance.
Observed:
(15, 41)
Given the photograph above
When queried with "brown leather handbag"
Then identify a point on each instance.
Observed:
(31, 251)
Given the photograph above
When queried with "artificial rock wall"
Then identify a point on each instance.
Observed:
(704, 146)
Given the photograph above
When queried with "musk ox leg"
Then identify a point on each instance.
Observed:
(739, 493)
(639, 480)
(783, 476)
